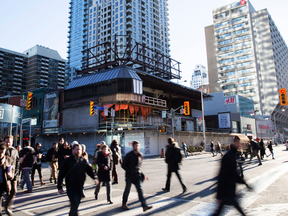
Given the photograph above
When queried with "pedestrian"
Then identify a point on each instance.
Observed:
(105, 165)
(184, 147)
(73, 170)
(74, 142)
(132, 165)
(52, 158)
(37, 165)
(27, 158)
(14, 155)
(262, 149)
(6, 175)
(271, 149)
(227, 179)
(94, 161)
(61, 143)
(219, 149)
(255, 149)
(117, 158)
(173, 158)
(63, 153)
(212, 148)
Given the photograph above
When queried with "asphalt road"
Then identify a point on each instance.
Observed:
(269, 195)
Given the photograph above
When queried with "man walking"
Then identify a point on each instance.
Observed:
(14, 155)
(173, 157)
(52, 158)
(255, 149)
(227, 179)
(184, 147)
(73, 169)
(27, 158)
(132, 165)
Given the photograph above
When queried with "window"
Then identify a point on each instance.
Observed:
(241, 31)
(242, 44)
(226, 55)
(240, 25)
(246, 78)
(227, 67)
(225, 42)
(245, 71)
(244, 57)
(226, 61)
(244, 64)
(228, 74)
(223, 30)
(247, 84)
(222, 24)
(229, 87)
(225, 48)
(224, 36)
(239, 18)
(222, 15)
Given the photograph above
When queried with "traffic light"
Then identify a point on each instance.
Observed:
(91, 108)
(29, 100)
(283, 96)
(186, 108)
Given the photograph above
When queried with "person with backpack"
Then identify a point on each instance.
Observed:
(117, 158)
(173, 158)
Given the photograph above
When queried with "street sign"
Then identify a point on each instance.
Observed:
(98, 108)
(96, 111)
(105, 110)
(113, 112)
(182, 111)
(23, 102)
(164, 114)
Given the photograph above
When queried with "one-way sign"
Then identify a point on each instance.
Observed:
(98, 108)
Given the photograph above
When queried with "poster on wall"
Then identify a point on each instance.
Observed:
(147, 145)
(224, 120)
(51, 109)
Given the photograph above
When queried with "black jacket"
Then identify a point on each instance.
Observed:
(14, 155)
(50, 153)
(270, 147)
(60, 155)
(132, 165)
(228, 176)
(116, 150)
(28, 156)
(173, 157)
(73, 170)
(102, 161)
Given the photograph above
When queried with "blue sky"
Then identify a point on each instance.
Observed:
(25, 23)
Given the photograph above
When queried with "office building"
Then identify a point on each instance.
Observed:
(199, 77)
(34, 68)
(146, 22)
(247, 53)
(45, 68)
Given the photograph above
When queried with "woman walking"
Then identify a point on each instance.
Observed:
(105, 165)
(37, 165)
(116, 154)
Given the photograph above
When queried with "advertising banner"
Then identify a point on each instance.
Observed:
(51, 109)
(224, 120)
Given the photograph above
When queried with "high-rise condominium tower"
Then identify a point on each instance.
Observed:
(98, 21)
(246, 52)
(199, 77)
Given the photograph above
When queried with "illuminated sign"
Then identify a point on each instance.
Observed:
(242, 2)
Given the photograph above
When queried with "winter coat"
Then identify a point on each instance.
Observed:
(173, 157)
(270, 147)
(60, 155)
(132, 164)
(8, 162)
(74, 171)
(50, 153)
(228, 176)
(14, 155)
(28, 156)
(102, 161)
(116, 151)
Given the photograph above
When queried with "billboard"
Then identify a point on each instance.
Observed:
(51, 109)
(6, 113)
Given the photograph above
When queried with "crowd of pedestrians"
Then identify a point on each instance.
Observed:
(71, 163)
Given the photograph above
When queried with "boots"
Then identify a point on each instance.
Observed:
(33, 184)
(55, 181)
(51, 180)
(42, 182)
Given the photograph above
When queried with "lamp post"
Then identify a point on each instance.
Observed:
(203, 120)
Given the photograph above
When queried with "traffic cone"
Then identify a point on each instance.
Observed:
(162, 153)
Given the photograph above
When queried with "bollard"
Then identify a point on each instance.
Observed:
(162, 153)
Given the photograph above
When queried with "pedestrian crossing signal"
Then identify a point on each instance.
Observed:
(186, 108)
(91, 108)
(29, 100)
(283, 96)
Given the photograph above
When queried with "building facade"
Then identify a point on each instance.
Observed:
(247, 53)
(46, 68)
(13, 72)
(146, 22)
(34, 68)
(199, 77)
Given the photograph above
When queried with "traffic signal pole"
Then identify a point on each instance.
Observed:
(203, 121)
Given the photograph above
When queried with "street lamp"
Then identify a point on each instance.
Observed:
(203, 120)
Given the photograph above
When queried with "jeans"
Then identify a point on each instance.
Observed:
(138, 186)
(108, 190)
(74, 196)
(26, 175)
(185, 154)
(39, 169)
(115, 173)
(11, 196)
(168, 182)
